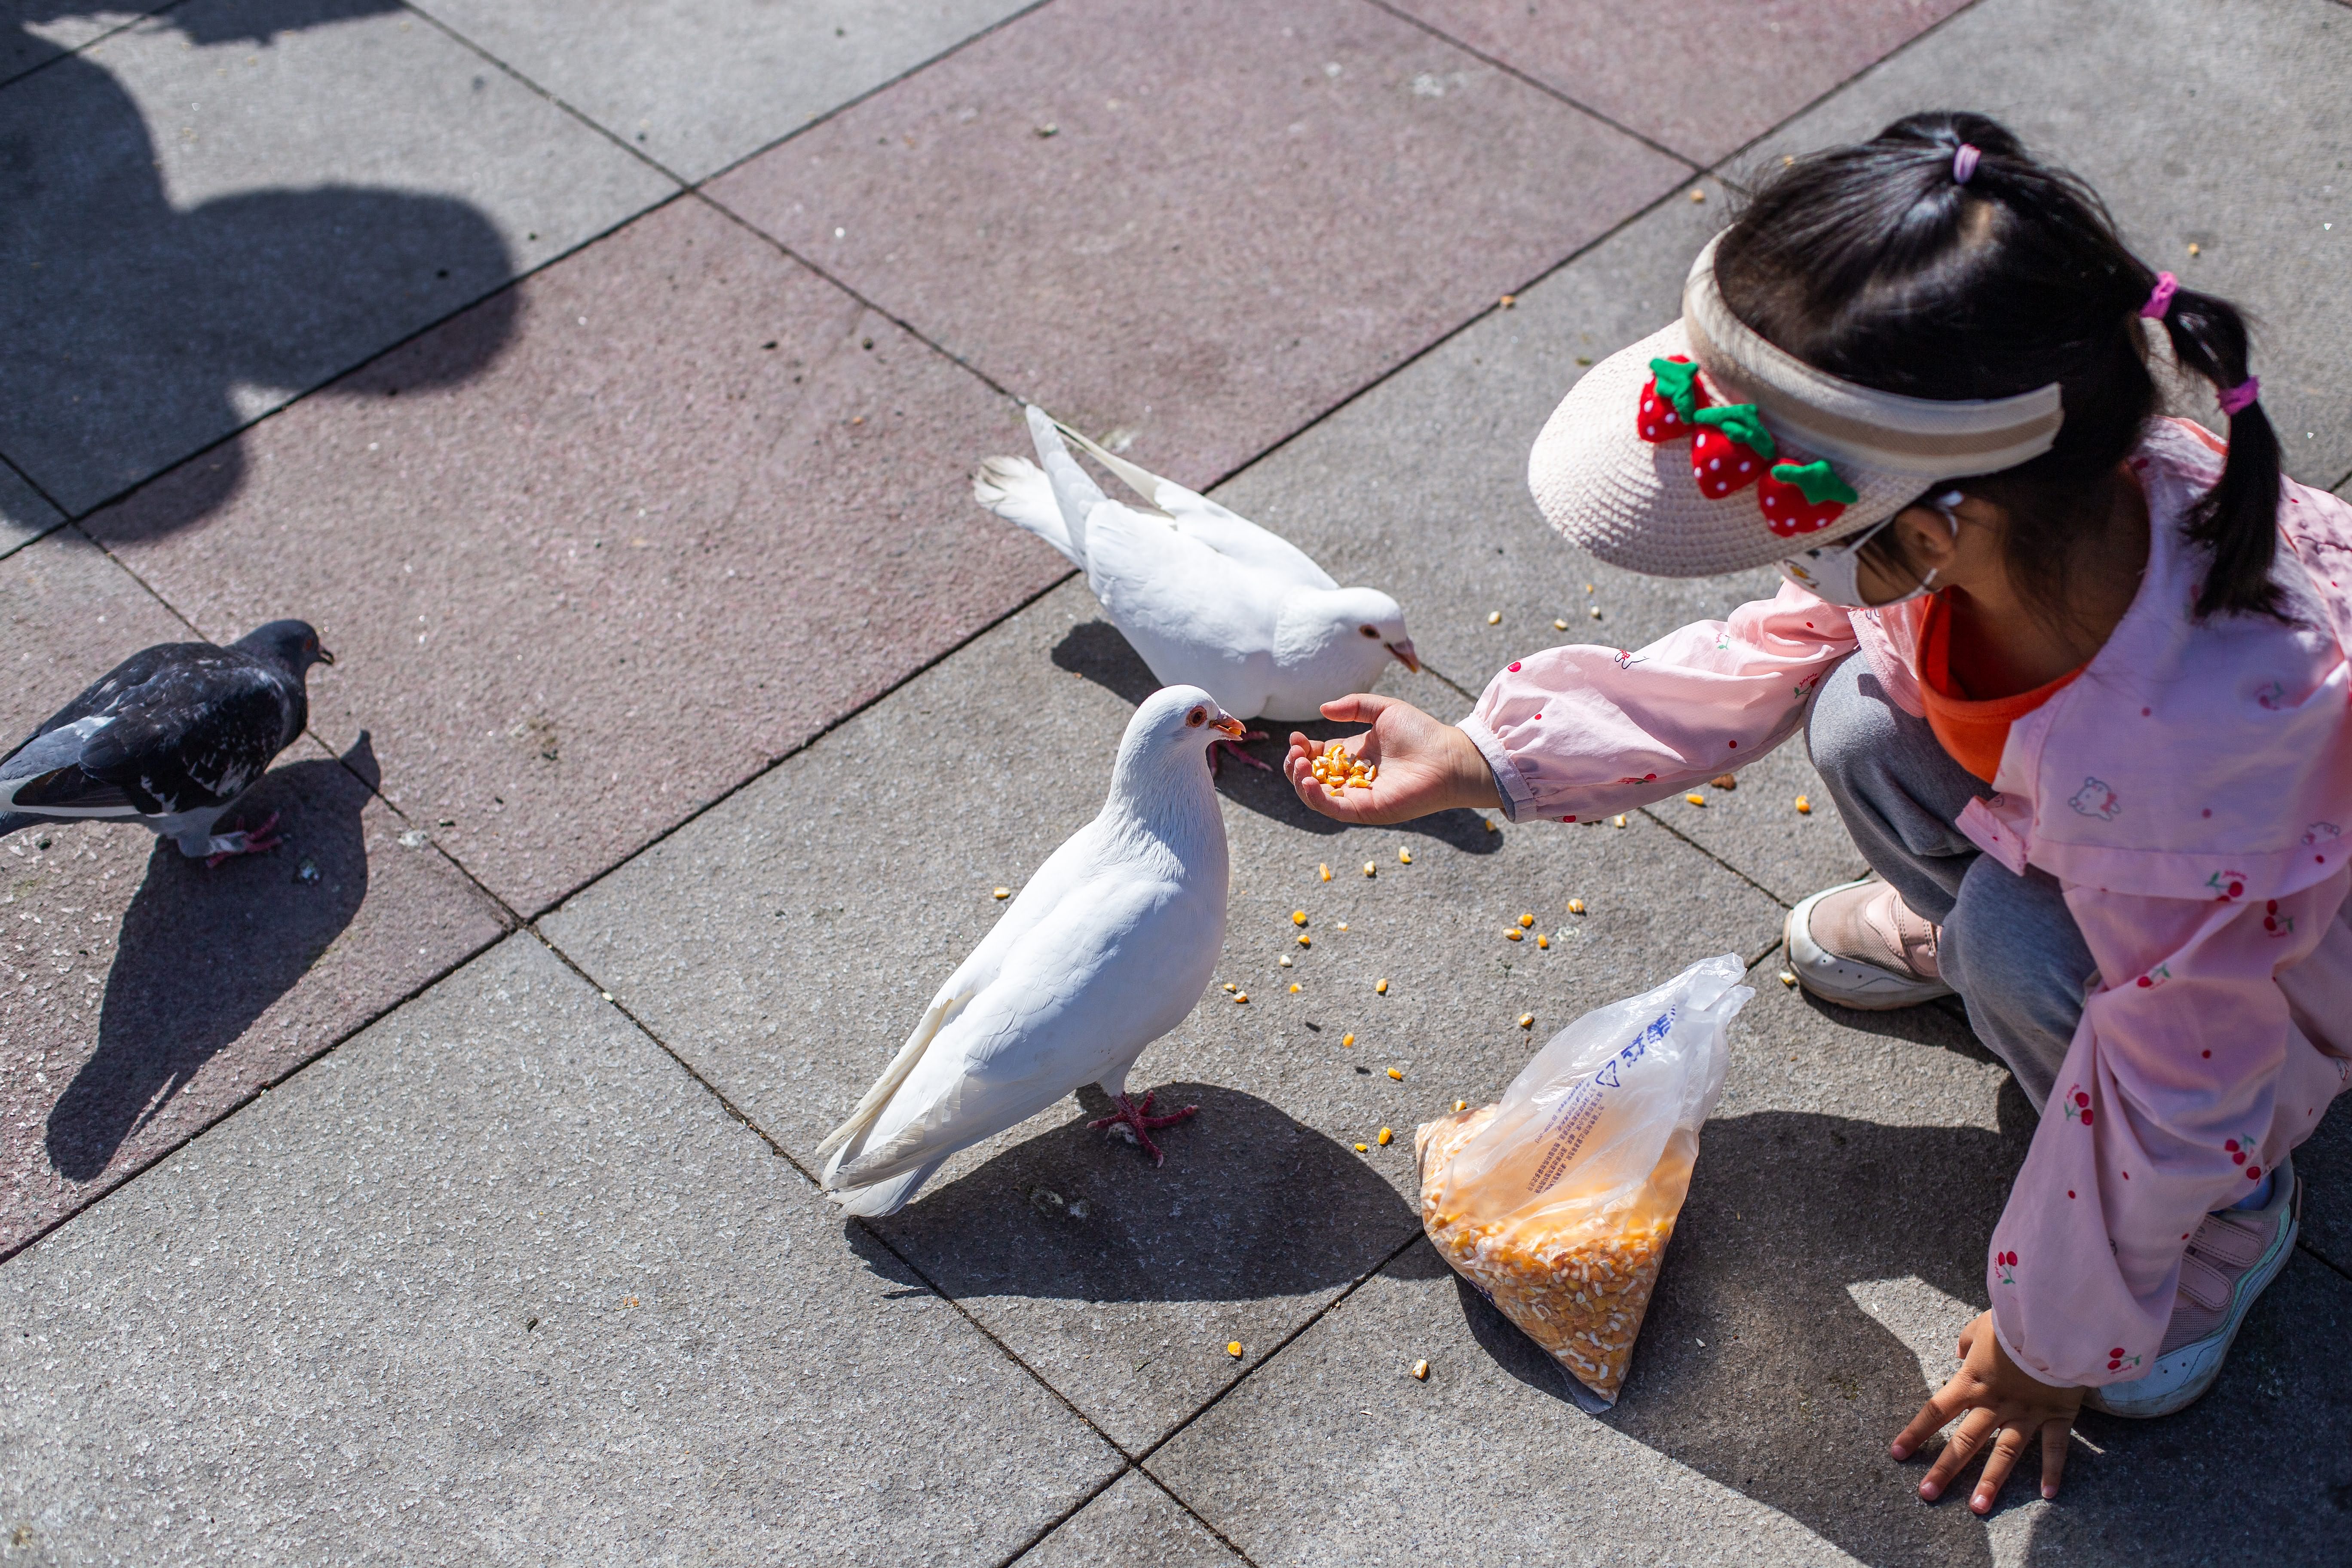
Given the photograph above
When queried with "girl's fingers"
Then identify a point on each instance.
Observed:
(2005, 1446)
(1966, 1441)
(2053, 1455)
(1364, 705)
(1931, 1420)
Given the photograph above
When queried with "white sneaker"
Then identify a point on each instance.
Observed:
(1858, 945)
(2232, 1257)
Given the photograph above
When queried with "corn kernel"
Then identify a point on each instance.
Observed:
(1293, 988)
(1698, 196)
(1559, 626)
(1527, 1020)
(1513, 933)
(1576, 905)
(1385, 1136)
(1617, 821)
(1343, 925)
(1371, 869)
(1347, 1039)
(1494, 618)
(1001, 893)
(1542, 941)
(1380, 987)
(1362, 1149)
(1284, 961)
(1696, 798)
(1233, 1348)
(1526, 920)
(1594, 612)
(1305, 940)
(1324, 871)
(1805, 805)
(1241, 996)
(1420, 1370)
(1405, 857)
(1788, 977)
(1397, 1073)
(1298, 917)
(1490, 826)
(1460, 1106)
(1230, 986)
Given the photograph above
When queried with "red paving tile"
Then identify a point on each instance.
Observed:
(1696, 76)
(1235, 215)
(702, 504)
(142, 995)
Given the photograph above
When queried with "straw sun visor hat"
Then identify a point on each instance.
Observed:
(1622, 469)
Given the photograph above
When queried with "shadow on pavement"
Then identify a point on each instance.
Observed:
(1250, 1205)
(129, 323)
(1797, 1390)
(1096, 651)
(203, 953)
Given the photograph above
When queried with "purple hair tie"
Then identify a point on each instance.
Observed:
(2237, 399)
(1964, 163)
(2159, 298)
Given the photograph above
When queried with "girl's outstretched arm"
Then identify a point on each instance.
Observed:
(1423, 766)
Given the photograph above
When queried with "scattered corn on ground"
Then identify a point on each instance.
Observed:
(1405, 857)
(1397, 1073)
(1371, 869)
(1363, 1148)
(1805, 805)
(1385, 1137)
(1513, 933)
(1380, 987)
(1578, 1291)
(1576, 905)
(1338, 772)
(1298, 917)
(1347, 1039)
(1421, 1372)
(1527, 1020)
(1526, 920)
(1233, 1347)
(1788, 977)
(1001, 893)
(1542, 941)
(1558, 626)
(1696, 798)
(1325, 871)
(1494, 618)
(1617, 821)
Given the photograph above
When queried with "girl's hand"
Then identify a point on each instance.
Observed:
(2003, 1403)
(1424, 767)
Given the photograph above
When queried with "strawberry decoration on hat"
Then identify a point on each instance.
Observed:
(1798, 498)
(1731, 450)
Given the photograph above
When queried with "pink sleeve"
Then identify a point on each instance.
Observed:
(2186, 1078)
(1576, 731)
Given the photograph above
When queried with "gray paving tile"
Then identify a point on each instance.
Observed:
(2228, 129)
(784, 940)
(701, 84)
(497, 1281)
(223, 206)
(24, 515)
(1420, 486)
(1830, 1250)
(34, 32)
(2325, 1163)
(1132, 1525)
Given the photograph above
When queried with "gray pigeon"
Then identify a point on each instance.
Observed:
(170, 738)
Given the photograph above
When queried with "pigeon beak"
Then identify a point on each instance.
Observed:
(1402, 649)
(1230, 726)
(326, 658)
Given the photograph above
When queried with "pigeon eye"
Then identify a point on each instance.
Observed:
(1197, 717)
(1369, 631)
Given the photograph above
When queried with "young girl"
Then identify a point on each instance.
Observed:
(2075, 676)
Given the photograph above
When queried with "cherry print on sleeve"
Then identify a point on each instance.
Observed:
(2078, 1105)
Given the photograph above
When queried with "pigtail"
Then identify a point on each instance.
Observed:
(2237, 518)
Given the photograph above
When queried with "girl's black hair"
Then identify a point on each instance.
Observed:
(1874, 263)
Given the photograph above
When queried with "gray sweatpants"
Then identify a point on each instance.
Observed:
(2009, 946)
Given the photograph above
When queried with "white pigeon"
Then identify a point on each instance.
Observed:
(1207, 597)
(1104, 950)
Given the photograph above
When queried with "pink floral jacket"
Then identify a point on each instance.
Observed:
(2192, 792)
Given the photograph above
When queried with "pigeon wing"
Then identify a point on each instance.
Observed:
(196, 735)
(1227, 533)
(1196, 620)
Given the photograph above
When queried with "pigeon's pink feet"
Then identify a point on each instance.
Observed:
(1139, 1119)
(248, 841)
(1221, 745)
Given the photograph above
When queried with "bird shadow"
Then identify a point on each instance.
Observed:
(203, 953)
(1096, 651)
(1250, 1204)
(132, 325)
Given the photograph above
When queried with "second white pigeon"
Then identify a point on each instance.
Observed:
(1207, 597)
(1104, 950)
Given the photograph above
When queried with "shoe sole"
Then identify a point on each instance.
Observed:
(2216, 1346)
(1876, 990)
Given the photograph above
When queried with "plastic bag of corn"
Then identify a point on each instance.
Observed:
(1557, 1200)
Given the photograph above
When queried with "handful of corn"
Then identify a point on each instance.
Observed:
(1338, 772)
(1575, 1280)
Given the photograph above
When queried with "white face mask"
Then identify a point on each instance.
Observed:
(1832, 573)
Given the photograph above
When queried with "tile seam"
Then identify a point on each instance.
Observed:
(1198, 1518)
(2325, 1261)
(1711, 855)
(35, 486)
(1126, 1468)
(1546, 89)
(88, 44)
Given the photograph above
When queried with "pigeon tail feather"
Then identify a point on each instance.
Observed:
(1142, 480)
(1017, 490)
(934, 1018)
(885, 1197)
(1074, 490)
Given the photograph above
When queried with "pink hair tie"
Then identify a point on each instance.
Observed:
(2237, 399)
(2159, 298)
(1964, 163)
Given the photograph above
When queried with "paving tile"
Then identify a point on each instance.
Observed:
(1452, 531)
(223, 206)
(143, 995)
(38, 31)
(2225, 129)
(24, 515)
(1683, 72)
(637, 559)
(2325, 1163)
(1134, 1524)
(497, 1281)
(784, 942)
(1237, 214)
(1779, 1353)
(698, 85)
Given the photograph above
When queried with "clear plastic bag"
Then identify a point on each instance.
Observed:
(1557, 1200)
